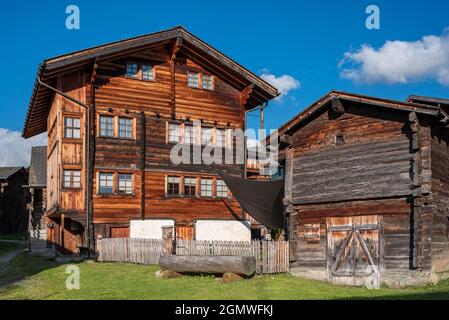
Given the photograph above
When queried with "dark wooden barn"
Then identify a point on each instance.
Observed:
(367, 188)
(13, 200)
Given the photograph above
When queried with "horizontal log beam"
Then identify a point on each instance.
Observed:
(243, 266)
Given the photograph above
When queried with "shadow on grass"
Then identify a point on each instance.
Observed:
(21, 267)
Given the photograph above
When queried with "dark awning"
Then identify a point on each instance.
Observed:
(261, 199)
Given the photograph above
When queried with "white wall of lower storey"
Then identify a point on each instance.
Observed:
(148, 229)
(219, 230)
(210, 230)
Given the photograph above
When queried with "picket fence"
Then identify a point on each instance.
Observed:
(271, 256)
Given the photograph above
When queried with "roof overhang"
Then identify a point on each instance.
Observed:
(324, 101)
(193, 47)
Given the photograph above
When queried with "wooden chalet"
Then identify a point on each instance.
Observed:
(367, 187)
(113, 113)
(13, 200)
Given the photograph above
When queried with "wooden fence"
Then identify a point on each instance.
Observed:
(271, 256)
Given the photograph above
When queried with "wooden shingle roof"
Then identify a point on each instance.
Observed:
(406, 106)
(38, 167)
(6, 172)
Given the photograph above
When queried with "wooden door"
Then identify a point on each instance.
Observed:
(353, 246)
(119, 232)
(185, 232)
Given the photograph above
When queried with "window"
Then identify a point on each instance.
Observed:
(132, 70)
(147, 72)
(222, 189)
(125, 183)
(220, 138)
(173, 186)
(106, 183)
(208, 82)
(189, 137)
(206, 187)
(106, 126)
(72, 179)
(206, 136)
(72, 128)
(340, 139)
(193, 80)
(312, 232)
(125, 128)
(190, 186)
(174, 133)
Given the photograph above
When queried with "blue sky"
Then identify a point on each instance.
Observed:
(303, 40)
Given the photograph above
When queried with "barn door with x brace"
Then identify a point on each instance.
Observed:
(353, 246)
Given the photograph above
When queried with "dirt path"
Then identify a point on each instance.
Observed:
(7, 257)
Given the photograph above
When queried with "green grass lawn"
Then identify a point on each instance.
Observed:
(6, 247)
(16, 237)
(38, 278)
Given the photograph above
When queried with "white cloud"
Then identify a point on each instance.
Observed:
(15, 151)
(400, 61)
(284, 83)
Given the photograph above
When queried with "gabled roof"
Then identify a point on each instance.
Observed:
(6, 172)
(438, 102)
(363, 99)
(38, 167)
(191, 46)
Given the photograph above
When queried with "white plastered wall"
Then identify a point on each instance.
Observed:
(221, 230)
(148, 229)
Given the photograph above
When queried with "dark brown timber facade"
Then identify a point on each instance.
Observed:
(114, 112)
(367, 184)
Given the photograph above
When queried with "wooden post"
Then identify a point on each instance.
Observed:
(167, 240)
(61, 234)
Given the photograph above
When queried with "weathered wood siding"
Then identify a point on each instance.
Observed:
(440, 192)
(374, 161)
(185, 209)
(151, 101)
(395, 222)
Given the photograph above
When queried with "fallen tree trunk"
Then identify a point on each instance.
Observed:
(244, 266)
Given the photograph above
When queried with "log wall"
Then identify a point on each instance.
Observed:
(440, 192)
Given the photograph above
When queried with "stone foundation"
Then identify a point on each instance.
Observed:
(391, 279)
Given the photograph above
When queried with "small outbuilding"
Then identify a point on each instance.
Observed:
(367, 189)
(13, 200)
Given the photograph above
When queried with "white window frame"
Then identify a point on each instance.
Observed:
(72, 125)
(174, 180)
(193, 82)
(222, 189)
(190, 182)
(174, 134)
(129, 124)
(148, 74)
(125, 186)
(109, 182)
(207, 187)
(107, 129)
(212, 85)
(191, 140)
(130, 66)
(71, 179)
